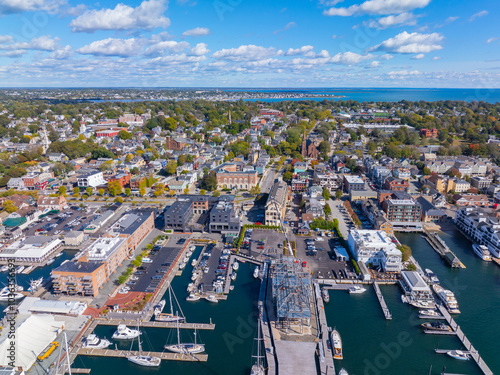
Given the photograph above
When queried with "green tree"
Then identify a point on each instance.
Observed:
(101, 192)
(89, 191)
(426, 171)
(119, 199)
(209, 181)
(9, 206)
(62, 190)
(406, 251)
(142, 191)
(324, 147)
(76, 190)
(128, 192)
(326, 194)
(255, 190)
(123, 134)
(216, 193)
(203, 192)
(327, 210)
(171, 167)
(114, 188)
(338, 194)
(287, 176)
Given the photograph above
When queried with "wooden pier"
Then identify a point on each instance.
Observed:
(124, 353)
(443, 250)
(465, 341)
(443, 333)
(381, 300)
(266, 328)
(227, 281)
(155, 324)
(326, 356)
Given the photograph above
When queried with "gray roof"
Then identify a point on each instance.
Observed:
(83, 267)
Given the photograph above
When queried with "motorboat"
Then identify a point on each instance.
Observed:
(256, 272)
(4, 268)
(458, 354)
(169, 317)
(94, 342)
(182, 266)
(5, 294)
(236, 266)
(448, 298)
(35, 284)
(211, 298)
(422, 304)
(193, 263)
(159, 307)
(325, 295)
(233, 276)
(343, 372)
(429, 314)
(28, 270)
(193, 297)
(19, 269)
(192, 248)
(356, 289)
(336, 343)
(125, 333)
(436, 326)
(142, 359)
(258, 367)
(231, 287)
(50, 262)
(185, 348)
(482, 252)
(59, 254)
(431, 276)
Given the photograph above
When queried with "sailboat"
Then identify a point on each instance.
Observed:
(169, 317)
(258, 367)
(141, 359)
(185, 348)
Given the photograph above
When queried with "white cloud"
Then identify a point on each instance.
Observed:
(448, 21)
(42, 43)
(288, 26)
(299, 51)
(166, 46)
(490, 40)
(199, 50)
(350, 58)
(148, 15)
(478, 15)
(6, 39)
(411, 43)
(420, 56)
(245, 53)
(112, 47)
(198, 31)
(14, 53)
(404, 73)
(378, 7)
(62, 53)
(374, 64)
(386, 56)
(400, 19)
(435, 58)
(19, 6)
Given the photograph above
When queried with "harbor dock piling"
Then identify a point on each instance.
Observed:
(381, 300)
(442, 249)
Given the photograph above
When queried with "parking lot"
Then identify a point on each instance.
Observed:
(263, 242)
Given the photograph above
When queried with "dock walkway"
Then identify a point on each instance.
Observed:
(125, 353)
(381, 300)
(443, 250)
(155, 324)
(266, 329)
(467, 344)
(326, 356)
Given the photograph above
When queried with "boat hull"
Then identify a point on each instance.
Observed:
(144, 360)
(186, 348)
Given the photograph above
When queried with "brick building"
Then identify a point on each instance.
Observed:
(229, 176)
(122, 178)
(429, 133)
(396, 184)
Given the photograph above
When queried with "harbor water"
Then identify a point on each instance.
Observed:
(375, 346)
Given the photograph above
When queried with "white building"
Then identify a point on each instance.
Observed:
(415, 287)
(375, 247)
(34, 249)
(93, 180)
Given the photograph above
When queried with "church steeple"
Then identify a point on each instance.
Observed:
(304, 145)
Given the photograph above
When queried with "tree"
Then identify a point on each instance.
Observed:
(181, 160)
(150, 181)
(324, 147)
(203, 192)
(89, 191)
(129, 158)
(171, 167)
(287, 176)
(209, 181)
(255, 190)
(338, 194)
(128, 192)
(114, 188)
(76, 190)
(326, 194)
(216, 193)
(142, 191)
(186, 191)
(62, 190)
(101, 192)
(9, 206)
(327, 210)
(426, 171)
(123, 134)
(406, 251)
(119, 199)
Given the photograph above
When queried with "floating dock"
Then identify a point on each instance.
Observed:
(443, 333)
(443, 250)
(381, 300)
(125, 353)
(467, 344)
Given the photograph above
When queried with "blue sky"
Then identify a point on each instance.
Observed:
(250, 43)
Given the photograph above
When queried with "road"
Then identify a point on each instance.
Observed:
(268, 181)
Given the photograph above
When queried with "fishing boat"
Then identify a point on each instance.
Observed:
(94, 342)
(258, 367)
(431, 276)
(429, 314)
(256, 272)
(482, 252)
(356, 289)
(4, 268)
(19, 269)
(236, 266)
(211, 298)
(458, 354)
(141, 359)
(35, 284)
(448, 298)
(336, 343)
(436, 326)
(185, 348)
(325, 295)
(125, 333)
(169, 317)
(193, 297)
(5, 294)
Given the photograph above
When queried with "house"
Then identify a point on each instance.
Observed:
(122, 178)
(51, 203)
(429, 133)
(396, 184)
(57, 157)
(463, 200)
(16, 184)
(480, 183)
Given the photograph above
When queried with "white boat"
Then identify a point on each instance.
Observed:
(422, 304)
(141, 359)
(160, 306)
(482, 252)
(19, 269)
(336, 343)
(356, 289)
(429, 314)
(231, 287)
(193, 297)
(125, 333)
(193, 263)
(182, 266)
(211, 298)
(431, 276)
(236, 266)
(4, 268)
(256, 272)
(458, 354)
(192, 248)
(50, 261)
(94, 342)
(343, 372)
(448, 298)
(325, 295)
(185, 348)
(5, 295)
(35, 284)
(59, 254)
(169, 317)
(233, 276)
(258, 367)
(206, 269)
(28, 269)
(185, 260)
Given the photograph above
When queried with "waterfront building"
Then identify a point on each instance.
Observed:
(276, 203)
(483, 228)
(415, 287)
(32, 249)
(375, 247)
(224, 220)
(75, 277)
(403, 211)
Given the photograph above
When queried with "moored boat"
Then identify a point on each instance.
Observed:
(256, 272)
(125, 333)
(236, 266)
(5, 294)
(94, 342)
(422, 304)
(436, 326)
(448, 298)
(4, 268)
(211, 298)
(429, 314)
(35, 284)
(431, 276)
(356, 289)
(185, 348)
(193, 297)
(19, 269)
(458, 354)
(325, 295)
(142, 359)
(336, 343)
(343, 372)
(482, 252)
(233, 276)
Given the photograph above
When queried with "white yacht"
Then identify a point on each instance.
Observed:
(236, 266)
(356, 289)
(35, 284)
(343, 372)
(125, 333)
(211, 298)
(325, 295)
(19, 269)
(50, 261)
(256, 272)
(4, 268)
(431, 276)
(448, 298)
(193, 263)
(458, 354)
(193, 297)
(482, 252)
(4, 294)
(143, 360)
(59, 254)
(192, 248)
(185, 348)
(160, 306)
(182, 266)
(168, 317)
(421, 304)
(233, 276)
(94, 342)
(336, 343)
(429, 314)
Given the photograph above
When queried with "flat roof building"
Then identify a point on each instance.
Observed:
(33, 249)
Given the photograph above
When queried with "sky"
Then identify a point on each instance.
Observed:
(250, 43)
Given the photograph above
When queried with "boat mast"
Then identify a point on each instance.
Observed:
(178, 332)
(67, 353)
(139, 338)
(170, 296)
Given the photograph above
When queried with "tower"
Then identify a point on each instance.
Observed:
(304, 146)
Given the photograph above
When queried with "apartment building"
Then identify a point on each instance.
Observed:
(92, 179)
(483, 228)
(353, 183)
(83, 278)
(403, 211)
(276, 203)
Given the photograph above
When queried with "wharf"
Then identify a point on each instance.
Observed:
(337, 286)
(124, 353)
(496, 260)
(443, 333)
(443, 250)
(229, 271)
(246, 259)
(266, 327)
(465, 341)
(326, 356)
(381, 300)
(155, 324)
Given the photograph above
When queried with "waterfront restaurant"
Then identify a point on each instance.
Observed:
(415, 287)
